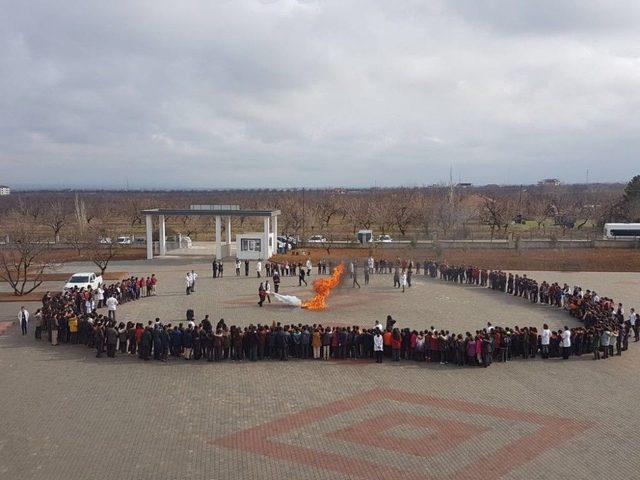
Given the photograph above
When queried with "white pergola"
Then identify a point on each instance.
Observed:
(220, 212)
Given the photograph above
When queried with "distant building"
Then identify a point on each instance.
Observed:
(4, 190)
(464, 185)
(549, 182)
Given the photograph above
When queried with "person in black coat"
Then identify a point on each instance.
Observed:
(176, 342)
(112, 340)
(390, 323)
(98, 336)
(145, 343)
(206, 338)
(165, 341)
(157, 343)
(252, 343)
(187, 343)
(196, 335)
(131, 333)
(487, 350)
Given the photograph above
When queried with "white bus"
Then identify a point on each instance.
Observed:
(621, 230)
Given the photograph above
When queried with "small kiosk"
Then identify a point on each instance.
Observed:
(256, 246)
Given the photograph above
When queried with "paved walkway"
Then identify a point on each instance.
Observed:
(66, 414)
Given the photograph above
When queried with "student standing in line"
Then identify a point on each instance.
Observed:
(377, 346)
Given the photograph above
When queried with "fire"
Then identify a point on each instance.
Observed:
(323, 287)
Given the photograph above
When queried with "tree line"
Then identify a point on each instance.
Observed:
(34, 222)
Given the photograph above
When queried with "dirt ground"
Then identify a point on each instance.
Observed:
(568, 260)
(64, 255)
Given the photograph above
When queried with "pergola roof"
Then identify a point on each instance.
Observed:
(211, 213)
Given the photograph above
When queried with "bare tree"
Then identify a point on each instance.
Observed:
(445, 215)
(424, 214)
(102, 247)
(80, 214)
(188, 225)
(359, 211)
(293, 216)
(403, 209)
(31, 207)
(383, 214)
(55, 218)
(132, 212)
(496, 213)
(537, 208)
(24, 261)
(325, 210)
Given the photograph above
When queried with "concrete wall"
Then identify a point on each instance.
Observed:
(499, 244)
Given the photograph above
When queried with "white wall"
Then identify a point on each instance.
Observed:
(251, 238)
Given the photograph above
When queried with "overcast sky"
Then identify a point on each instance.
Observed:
(252, 93)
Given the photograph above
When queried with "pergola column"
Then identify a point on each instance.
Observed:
(162, 237)
(229, 232)
(149, 227)
(265, 248)
(218, 246)
(275, 233)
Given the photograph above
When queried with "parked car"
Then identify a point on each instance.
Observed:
(124, 240)
(83, 280)
(293, 241)
(384, 239)
(317, 239)
(185, 242)
(105, 240)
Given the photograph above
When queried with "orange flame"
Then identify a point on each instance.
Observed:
(323, 288)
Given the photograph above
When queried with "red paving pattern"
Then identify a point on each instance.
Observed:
(4, 326)
(551, 432)
(447, 434)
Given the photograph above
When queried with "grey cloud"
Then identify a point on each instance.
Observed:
(249, 93)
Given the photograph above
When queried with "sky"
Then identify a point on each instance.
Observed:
(286, 93)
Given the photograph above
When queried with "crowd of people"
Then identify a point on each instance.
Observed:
(604, 330)
(64, 314)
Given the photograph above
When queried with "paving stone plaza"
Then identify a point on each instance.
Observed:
(68, 415)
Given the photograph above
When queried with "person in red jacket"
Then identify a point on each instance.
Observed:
(386, 342)
(396, 344)
(154, 282)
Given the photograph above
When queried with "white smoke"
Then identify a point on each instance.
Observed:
(288, 299)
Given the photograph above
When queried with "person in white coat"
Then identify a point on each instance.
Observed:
(259, 268)
(194, 276)
(23, 319)
(99, 296)
(378, 346)
(545, 340)
(566, 342)
(112, 305)
(188, 282)
(267, 290)
(403, 280)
